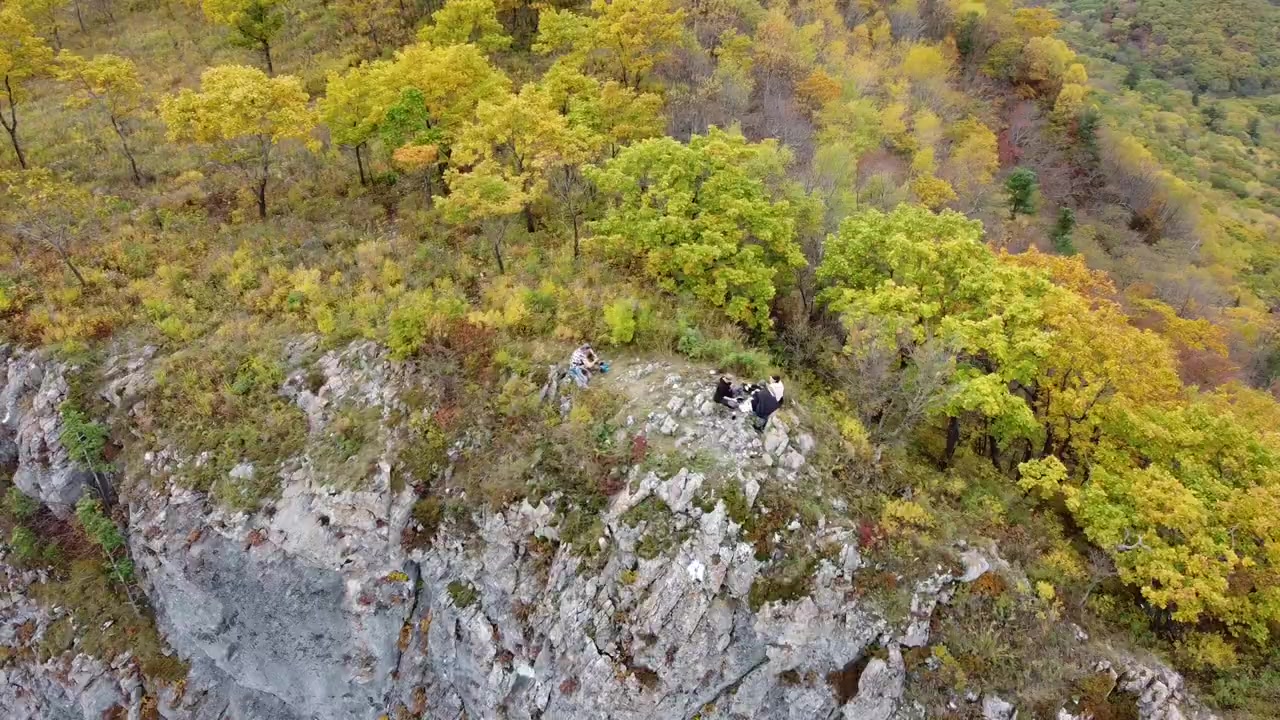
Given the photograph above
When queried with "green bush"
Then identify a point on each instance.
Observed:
(19, 505)
(26, 548)
(464, 595)
(727, 355)
(422, 316)
(84, 439)
(620, 318)
(428, 511)
(426, 450)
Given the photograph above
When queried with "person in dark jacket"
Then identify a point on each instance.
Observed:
(724, 390)
(728, 393)
(765, 401)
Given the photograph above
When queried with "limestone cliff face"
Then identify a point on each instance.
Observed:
(314, 608)
(34, 388)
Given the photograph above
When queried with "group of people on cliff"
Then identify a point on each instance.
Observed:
(761, 400)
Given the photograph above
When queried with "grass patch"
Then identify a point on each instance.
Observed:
(999, 638)
(667, 464)
(219, 406)
(347, 451)
(784, 582)
(106, 625)
(463, 594)
(659, 533)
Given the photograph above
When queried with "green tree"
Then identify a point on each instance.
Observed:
(1062, 229)
(707, 217)
(1213, 116)
(104, 533)
(110, 83)
(905, 280)
(1020, 187)
(1254, 129)
(243, 115)
(407, 128)
(23, 57)
(255, 23)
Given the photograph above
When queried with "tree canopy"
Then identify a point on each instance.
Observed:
(705, 217)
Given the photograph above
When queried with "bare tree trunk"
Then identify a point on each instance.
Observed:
(262, 198)
(576, 240)
(128, 152)
(11, 125)
(528, 218)
(360, 164)
(266, 53)
(79, 16)
(497, 254)
(13, 138)
(66, 259)
(953, 440)
(265, 145)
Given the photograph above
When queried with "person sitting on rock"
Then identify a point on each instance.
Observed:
(765, 401)
(727, 393)
(734, 395)
(581, 364)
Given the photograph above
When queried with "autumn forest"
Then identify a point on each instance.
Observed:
(1024, 257)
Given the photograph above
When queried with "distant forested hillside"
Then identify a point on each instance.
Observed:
(1210, 46)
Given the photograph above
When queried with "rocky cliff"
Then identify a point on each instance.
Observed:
(334, 600)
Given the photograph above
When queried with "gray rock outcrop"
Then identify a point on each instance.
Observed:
(69, 687)
(33, 390)
(314, 607)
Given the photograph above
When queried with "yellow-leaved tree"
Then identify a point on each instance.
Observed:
(109, 83)
(507, 155)
(462, 22)
(354, 105)
(23, 56)
(625, 38)
(47, 212)
(974, 159)
(242, 115)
